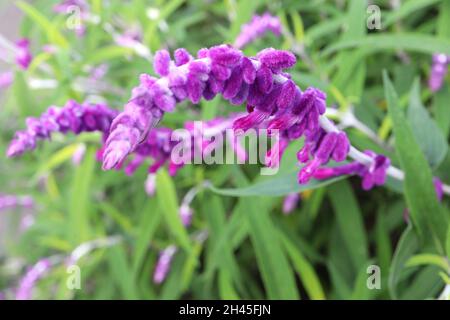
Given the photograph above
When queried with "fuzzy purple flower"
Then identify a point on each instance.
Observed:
(372, 175)
(438, 72)
(72, 117)
(23, 54)
(8, 201)
(6, 79)
(162, 267)
(257, 28)
(273, 102)
(28, 282)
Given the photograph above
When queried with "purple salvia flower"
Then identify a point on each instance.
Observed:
(162, 267)
(72, 117)
(23, 55)
(438, 72)
(6, 79)
(375, 174)
(290, 202)
(372, 175)
(28, 282)
(256, 28)
(322, 147)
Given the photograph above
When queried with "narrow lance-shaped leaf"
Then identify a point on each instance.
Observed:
(426, 213)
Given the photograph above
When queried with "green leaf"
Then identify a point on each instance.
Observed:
(277, 276)
(440, 106)
(150, 218)
(401, 41)
(304, 269)
(51, 30)
(167, 200)
(350, 222)
(407, 245)
(443, 25)
(427, 214)
(79, 199)
(425, 129)
(121, 272)
(407, 8)
(107, 53)
(190, 265)
(428, 259)
(281, 185)
(23, 95)
(58, 158)
(226, 289)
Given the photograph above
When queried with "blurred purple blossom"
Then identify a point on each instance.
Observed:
(290, 202)
(162, 267)
(438, 72)
(23, 54)
(6, 79)
(256, 28)
(28, 282)
(9, 201)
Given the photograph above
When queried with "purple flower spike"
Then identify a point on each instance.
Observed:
(375, 174)
(23, 55)
(28, 282)
(161, 62)
(290, 202)
(322, 146)
(438, 71)
(372, 175)
(72, 117)
(163, 265)
(256, 28)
